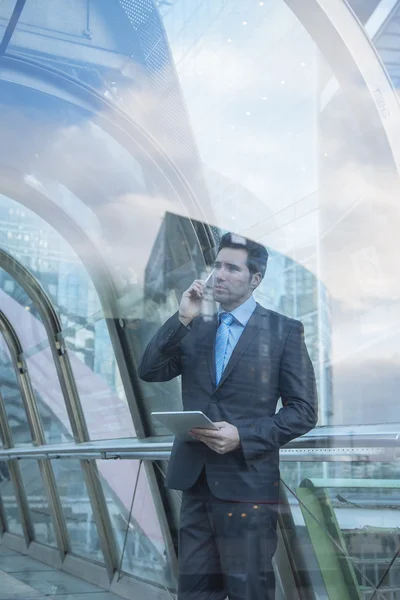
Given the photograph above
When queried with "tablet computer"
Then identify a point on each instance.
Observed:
(182, 421)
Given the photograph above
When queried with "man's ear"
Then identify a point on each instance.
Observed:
(255, 280)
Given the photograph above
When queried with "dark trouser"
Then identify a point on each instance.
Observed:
(225, 548)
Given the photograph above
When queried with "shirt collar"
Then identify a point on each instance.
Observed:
(243, 312)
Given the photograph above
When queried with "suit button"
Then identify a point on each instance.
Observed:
(214, 400)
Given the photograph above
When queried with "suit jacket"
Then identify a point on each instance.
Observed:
(270, 361)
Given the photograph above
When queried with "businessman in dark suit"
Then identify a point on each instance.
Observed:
(234, 368)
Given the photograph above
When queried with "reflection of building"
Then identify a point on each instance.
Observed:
(63, 278)
(288, 287)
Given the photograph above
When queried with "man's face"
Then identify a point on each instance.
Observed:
(233, 284)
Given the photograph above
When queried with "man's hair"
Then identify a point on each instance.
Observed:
(257, 255)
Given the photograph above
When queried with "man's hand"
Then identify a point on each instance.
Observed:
(222, 441)
(191, 301)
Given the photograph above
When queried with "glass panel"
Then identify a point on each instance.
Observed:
(11, 394)
(14, 301)
(345, 522)
(48, 394)
(144, 549)
(9, 502)
(98, 381)
(69, 287)
(27, 323)
(38, 502)
(77, 509)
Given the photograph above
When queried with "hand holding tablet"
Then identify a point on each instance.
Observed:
(181, 422)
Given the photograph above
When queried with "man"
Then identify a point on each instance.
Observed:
(234, 369)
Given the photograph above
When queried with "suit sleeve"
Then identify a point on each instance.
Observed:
(299, 412)
(161, 360)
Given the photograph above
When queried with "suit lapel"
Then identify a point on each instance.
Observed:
(248, 335)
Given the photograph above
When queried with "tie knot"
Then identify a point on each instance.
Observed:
(226, 318)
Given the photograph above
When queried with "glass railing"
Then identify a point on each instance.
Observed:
(339, 535)
(346, 525)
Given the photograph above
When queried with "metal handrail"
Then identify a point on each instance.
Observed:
(321, 443)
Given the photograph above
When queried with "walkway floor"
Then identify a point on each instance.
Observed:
(23, 578)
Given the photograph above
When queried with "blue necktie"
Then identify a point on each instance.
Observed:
(221, 343)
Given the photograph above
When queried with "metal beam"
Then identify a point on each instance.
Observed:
(356, 64)
(13, 22)
(156, 449)
(15, 475)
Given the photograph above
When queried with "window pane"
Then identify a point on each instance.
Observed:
(145, 553)
(9, 501)
(48, 394)
(77, 509)
(98, 381)
(38, 503)
(11, 394)
(20, 311)
(345, 518)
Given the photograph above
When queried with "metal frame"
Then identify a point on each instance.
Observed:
(15, 475)
(14, 184)
(3, 518)
(75, 412)
(37, 433)
(357, 66)
(105, 289)
(13, 22)
(59, 350)
(365, 445)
